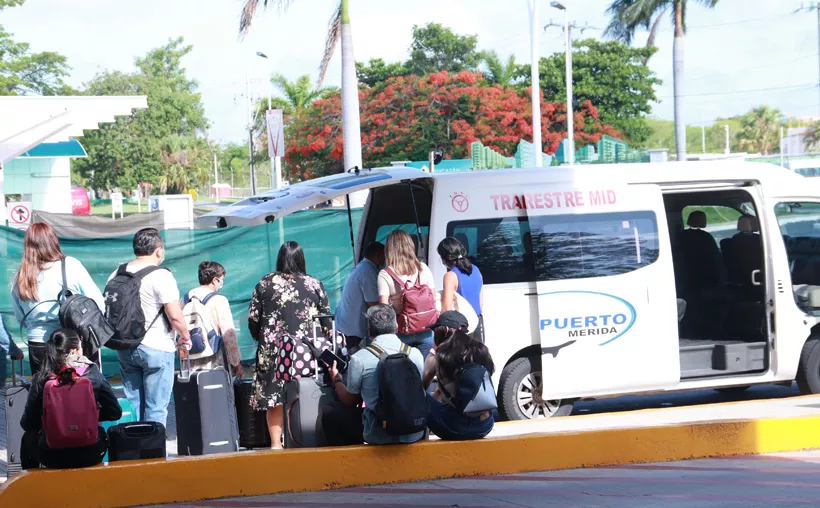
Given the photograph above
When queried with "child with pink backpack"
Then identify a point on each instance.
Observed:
(68, 398)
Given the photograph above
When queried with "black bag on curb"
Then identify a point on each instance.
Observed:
(134, 441)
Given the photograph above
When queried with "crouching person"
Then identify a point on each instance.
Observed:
(464, 405)
(67, 400)
(386, 376)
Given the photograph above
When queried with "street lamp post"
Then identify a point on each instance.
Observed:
(535, 39)
(275, 162)
(570, 151)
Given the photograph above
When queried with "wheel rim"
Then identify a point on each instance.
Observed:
(529, 398)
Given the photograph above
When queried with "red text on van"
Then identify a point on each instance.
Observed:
(565, 199)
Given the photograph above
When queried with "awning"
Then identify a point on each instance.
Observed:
(26, 122)
(71, 148)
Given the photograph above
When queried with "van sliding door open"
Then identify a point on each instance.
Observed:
(605, 288)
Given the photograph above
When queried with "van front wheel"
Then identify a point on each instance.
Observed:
(519, 393)
(808, 371)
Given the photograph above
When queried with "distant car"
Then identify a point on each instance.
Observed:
(80, 205)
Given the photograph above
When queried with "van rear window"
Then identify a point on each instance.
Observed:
(559, 247)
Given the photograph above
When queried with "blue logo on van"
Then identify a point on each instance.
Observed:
(573, 315)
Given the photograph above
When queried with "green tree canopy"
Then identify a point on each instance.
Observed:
(497, 71)
(148, 144)
(378, 71)
(609, 74)
(760, 130)
(436, 48)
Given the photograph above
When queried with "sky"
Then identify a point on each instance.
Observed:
(740, 55)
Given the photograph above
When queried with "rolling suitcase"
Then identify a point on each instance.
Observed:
(205, 411)
(16, 396)
(304, 399)
(138, 440)
(253, 425)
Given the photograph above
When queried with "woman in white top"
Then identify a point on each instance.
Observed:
(400, 256)
(38, 284)
(211, 280)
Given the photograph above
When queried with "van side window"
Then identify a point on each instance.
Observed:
(801, 234)
(497, 247)
(595, 245)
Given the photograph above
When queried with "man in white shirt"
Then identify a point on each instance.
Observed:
(148, 370)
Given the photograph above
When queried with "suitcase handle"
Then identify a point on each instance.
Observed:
(138, 430)
(14, 371)
(317, 324)
(184, 364)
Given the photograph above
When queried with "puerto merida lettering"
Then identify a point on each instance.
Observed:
(548, 200)
(585, 326)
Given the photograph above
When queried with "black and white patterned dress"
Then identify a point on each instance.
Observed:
(281, 314)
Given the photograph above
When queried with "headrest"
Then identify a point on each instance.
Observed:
(748, 224)
(697, 219)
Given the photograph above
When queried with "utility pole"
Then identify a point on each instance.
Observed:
(216, 169)
(702, 132)
(275, 162)
(535, 38)
(728, 148)
(250, 131)
(782, 163)
(813, 6)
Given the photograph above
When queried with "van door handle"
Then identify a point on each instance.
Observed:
(530, 294)
(755, 273)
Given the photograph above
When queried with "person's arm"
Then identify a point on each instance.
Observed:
(254, 312)
(229, 337)
(369, 286)
(430, 366)
(481, 299)
(345, 395)
(384, 283)
(174, 313)
(449, 292)
(32, 418)
(110, 410)
(167, 292)
(85, 285)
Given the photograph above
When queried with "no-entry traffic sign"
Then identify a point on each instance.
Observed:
(19, 214)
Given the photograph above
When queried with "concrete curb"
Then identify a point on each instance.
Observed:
(268, 472)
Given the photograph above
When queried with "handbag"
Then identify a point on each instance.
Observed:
(475, 394)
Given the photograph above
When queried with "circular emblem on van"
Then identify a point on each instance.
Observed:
(578, 316)
(460, 202)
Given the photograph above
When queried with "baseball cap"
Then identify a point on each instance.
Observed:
(451, 319)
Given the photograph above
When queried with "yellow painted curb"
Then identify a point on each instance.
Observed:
(268, 472)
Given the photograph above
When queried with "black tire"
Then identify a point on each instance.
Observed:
(732, 390)
(509, 385)
(808, 371)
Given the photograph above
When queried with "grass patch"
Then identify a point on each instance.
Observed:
(127, 209)
(714, 214)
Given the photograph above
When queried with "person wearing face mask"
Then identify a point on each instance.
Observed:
(148, 370)
(211, 280)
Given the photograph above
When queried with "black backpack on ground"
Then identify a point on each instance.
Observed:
(123, 308)
(81, 314)
(401, 408)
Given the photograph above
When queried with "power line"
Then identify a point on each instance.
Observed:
(739, 22)
(732, 92)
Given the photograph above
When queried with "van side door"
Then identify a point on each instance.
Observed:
(605, 290)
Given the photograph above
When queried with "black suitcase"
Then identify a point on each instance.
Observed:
(205, 411)
(253, 425)
(304, 400)
(138, 440)
(16, 396)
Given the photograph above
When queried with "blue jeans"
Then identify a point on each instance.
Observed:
(148, 379)
(423, 341)
(450, 424)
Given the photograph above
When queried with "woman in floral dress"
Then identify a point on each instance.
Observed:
(282, 313)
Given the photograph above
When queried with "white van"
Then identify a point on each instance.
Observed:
(611, 279)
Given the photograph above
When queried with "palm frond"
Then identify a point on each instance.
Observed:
(250, 8)
(334, 33)
(629, 15)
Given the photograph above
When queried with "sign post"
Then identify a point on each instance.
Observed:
(116, 204)
(276, 143)
(19, 215)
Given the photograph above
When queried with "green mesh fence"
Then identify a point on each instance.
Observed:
(247, 254)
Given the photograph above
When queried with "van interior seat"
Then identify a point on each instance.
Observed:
(743, 253)
(702, 265)
(804, 256)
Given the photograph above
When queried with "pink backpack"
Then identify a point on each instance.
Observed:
(70, 414)
(418, 305)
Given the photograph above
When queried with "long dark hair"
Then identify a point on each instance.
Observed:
(291, 259)
(40, 247)
(453, 253)
(59, 345)
(460, 350)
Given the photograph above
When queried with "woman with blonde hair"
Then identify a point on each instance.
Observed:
(38, 287)
(404, 273)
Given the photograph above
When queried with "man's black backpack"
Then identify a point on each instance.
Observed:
(123, 308)
(401, 408)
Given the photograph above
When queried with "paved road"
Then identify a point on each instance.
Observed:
(740, 482)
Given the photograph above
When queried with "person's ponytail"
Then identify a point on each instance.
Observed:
(453, 253)
(57, 348)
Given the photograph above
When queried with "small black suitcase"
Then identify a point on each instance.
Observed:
(16, 396)
(304, 400)
(137, 440)
(205, 411)
(253, 425)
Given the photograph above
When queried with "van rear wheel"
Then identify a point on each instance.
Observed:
(519, 393)
(808, 371)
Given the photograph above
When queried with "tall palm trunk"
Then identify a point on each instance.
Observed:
(350, 97)
(677, 78)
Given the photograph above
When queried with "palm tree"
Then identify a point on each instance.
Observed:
(629, 15)
(298, 94)
(498, 72)
(185, 164)
(760, 130)
(338, 28)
